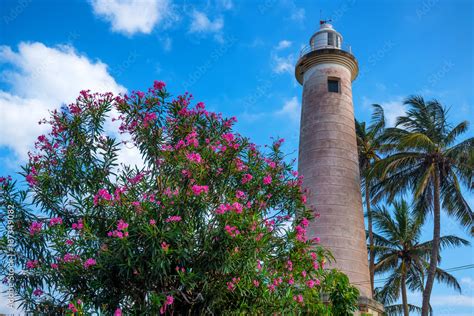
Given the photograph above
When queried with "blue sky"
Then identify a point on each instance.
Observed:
(237, 57)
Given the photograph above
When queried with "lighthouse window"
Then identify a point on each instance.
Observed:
(333, 85)
(331, 39)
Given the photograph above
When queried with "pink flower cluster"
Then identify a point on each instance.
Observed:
(102, 194)
(69, 257)
(232, 284)
(72, 307)
(89, 263)
(158, 85)
(35, 228)
(239, 194)
(199, 189)
(120, 232)
(78, 226)
(169, 301)
(32, 264)
(312, 283)
(55, 221)
(165, 246)
(301, 231)
(194, 157)
(267, 179)
(298, 298)
(31, 177)
(174, 218)
(223, 208)
(232, 230)
(38, 292)
(246, 178)
(149, 117)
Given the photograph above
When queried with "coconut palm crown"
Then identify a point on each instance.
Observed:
(427, 160)
(400, 253)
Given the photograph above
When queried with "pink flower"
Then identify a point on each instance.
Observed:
(118, 312)
(152, 222)
(31, 177)
(300, 233)
(246, 178)
(69, 257)
(310, 283)
(289, 265)
(78, 226)
(304, 222)
(55, 221)
(230, 286)
(69, 242)
(102, 194)
(298, 298)
(237, 207)
(221, 209)
(122, 225)
(194, 157)
(291, 281)
(54, 266)
(158, 85)
(303, 273)
(165, 246)
(149, 117)
(35, 228)
(232, 230)
(199, 189)
(267, 180)
(256, 283)
(229, 137)
(32, 264)
(174, 218)
(72, 308)
(240, 194)
(304, 199)
(89, 262)
(169, 300)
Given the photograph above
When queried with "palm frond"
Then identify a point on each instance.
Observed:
(397, 309)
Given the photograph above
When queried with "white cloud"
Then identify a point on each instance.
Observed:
(226, 4)
(392, 108)
(133, 16)
(452, 300)
(283, 64)
(167, 43)
(200, 23)
(41, 79)
(468, 281)
(298, 14)
(283, 44)
(291, 109)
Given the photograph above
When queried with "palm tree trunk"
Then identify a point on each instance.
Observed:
(371, 235)
(404, 295)
(435, 250)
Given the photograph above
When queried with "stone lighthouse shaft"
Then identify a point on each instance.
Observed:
(328, 157)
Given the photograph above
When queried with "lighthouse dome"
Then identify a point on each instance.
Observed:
(326, 37)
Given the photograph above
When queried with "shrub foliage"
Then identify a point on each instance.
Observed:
(209, 224)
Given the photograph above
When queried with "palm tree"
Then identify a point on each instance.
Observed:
(400, 253)
(427, 161)
(369, 145)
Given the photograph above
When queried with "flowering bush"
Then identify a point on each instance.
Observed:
(209, 224)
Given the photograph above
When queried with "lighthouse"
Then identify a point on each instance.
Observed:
(328, 158)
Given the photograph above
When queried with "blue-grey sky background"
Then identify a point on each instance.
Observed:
(238, 57)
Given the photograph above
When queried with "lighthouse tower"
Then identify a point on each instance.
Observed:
(328, 157)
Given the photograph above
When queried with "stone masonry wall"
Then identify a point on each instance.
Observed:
(329, 163)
